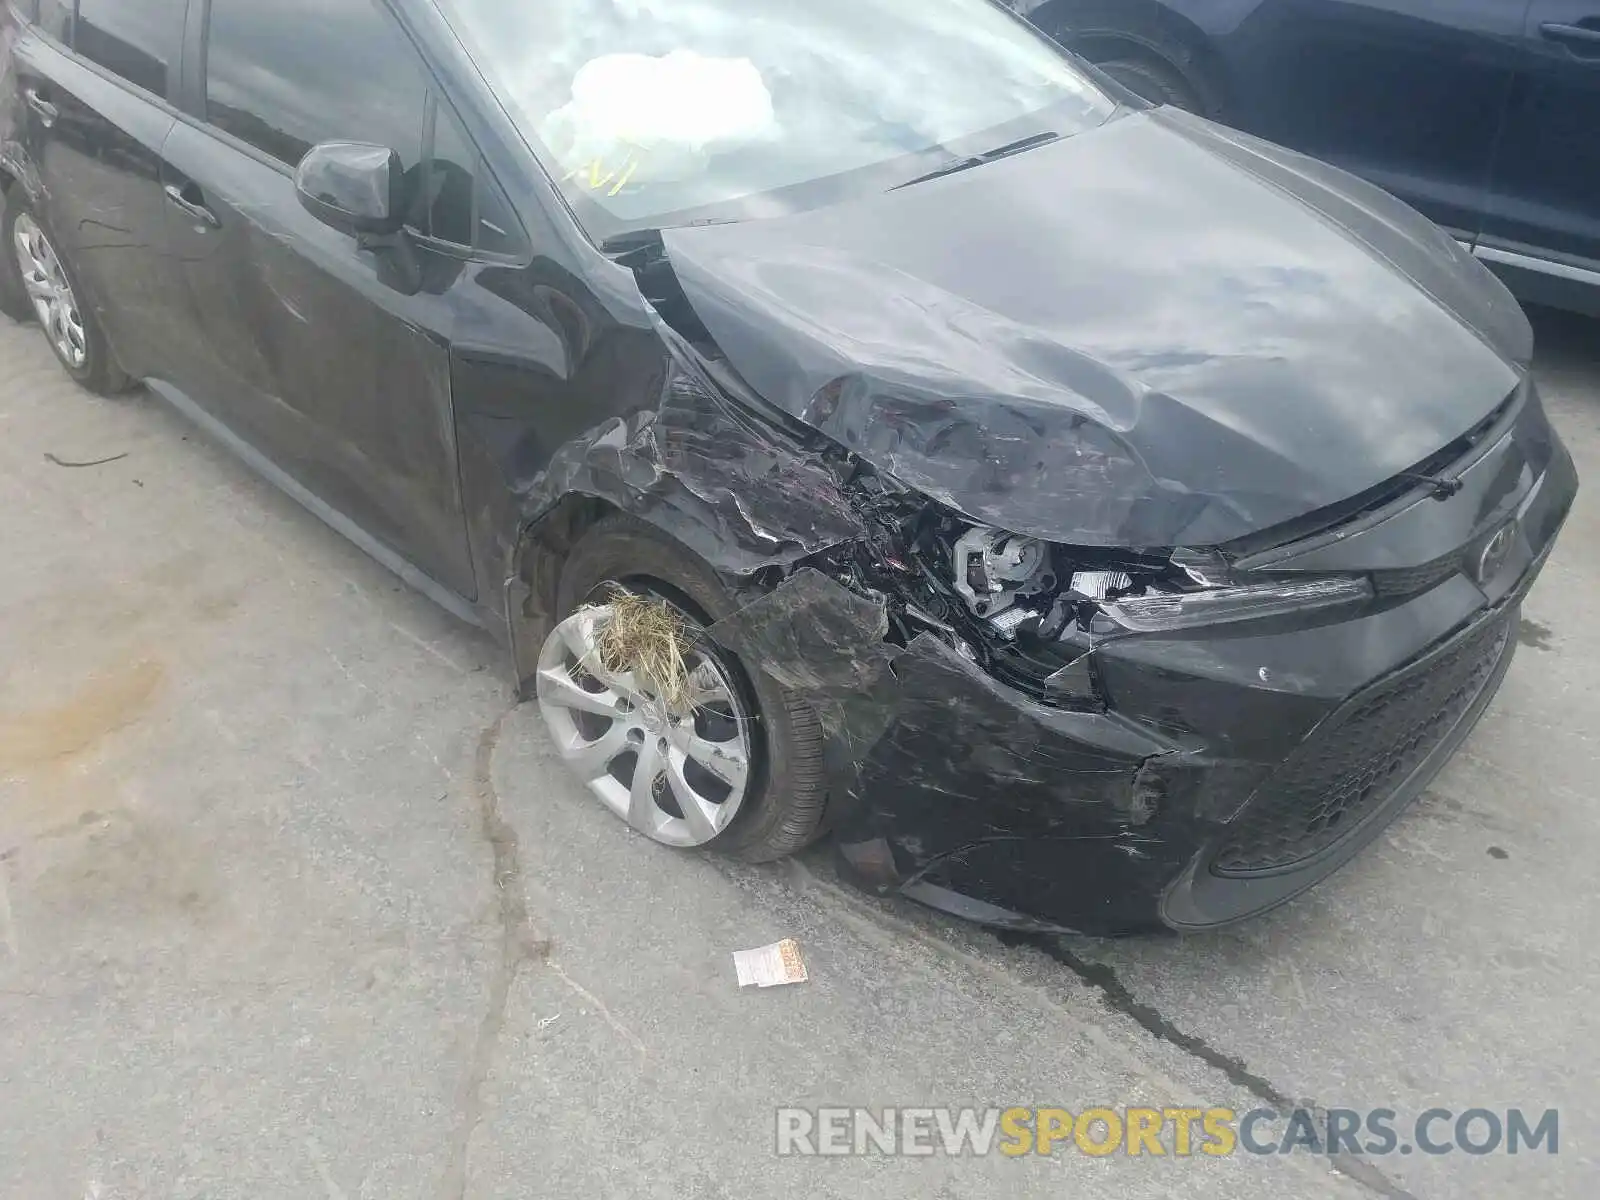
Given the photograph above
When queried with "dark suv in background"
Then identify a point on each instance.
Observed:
(1483, 114)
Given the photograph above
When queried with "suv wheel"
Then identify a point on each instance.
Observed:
(14, 301)
(737, 766)
(1154, 80)
(50, 294)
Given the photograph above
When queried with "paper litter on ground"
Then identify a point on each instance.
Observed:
(770, 966)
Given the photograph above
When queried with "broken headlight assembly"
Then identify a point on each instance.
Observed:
(1158, 612)
(1016, 584)
(993, 569)
(1031, 611)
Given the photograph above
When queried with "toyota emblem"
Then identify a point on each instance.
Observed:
(1495, 552)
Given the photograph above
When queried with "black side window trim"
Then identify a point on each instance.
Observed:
(482, 177)
(32, 19)
(175, 69)
(430, 130)
(36, 27)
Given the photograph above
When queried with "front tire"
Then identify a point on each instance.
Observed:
(50, 293)
(14, 301)
(780, 807)
(1154, 80)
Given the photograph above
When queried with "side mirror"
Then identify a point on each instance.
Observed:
(353, 187)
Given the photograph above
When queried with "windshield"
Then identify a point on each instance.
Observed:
(653, 112)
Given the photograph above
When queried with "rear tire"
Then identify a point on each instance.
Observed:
(13, 300)
(783, 810)
(1154, 80)
(90, 362)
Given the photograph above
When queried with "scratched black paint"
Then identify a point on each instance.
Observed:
(1155, 334)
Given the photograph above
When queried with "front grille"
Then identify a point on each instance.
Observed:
(1353, 762)
(1408, 581)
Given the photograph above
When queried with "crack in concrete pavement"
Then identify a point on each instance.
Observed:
(518, 945)
(1119, 998)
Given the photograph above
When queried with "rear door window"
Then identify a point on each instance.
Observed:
(283, 75)
(135, 39)
(55, 18)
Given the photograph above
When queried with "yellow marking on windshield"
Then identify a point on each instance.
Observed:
(633, 165)
(597, 176)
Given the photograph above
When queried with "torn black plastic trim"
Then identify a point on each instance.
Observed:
(732, 487)
(827, 642)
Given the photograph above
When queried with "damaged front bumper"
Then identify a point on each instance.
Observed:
(1226, 770)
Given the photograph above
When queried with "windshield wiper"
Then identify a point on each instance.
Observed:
(988, 156)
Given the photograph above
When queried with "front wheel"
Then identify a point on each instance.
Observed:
(47, 290)
(727, 759)
(14, 302)
(1154, 80)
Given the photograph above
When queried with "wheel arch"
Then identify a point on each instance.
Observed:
(13, 301)
(545, 542)
(742, 490)
(1101, 30)
(16, 171)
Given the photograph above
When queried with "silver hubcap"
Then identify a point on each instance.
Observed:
(677, 777)
(52, 297)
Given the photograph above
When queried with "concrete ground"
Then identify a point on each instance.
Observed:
(295, 903)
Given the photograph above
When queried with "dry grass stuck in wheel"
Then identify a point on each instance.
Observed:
(646, 637)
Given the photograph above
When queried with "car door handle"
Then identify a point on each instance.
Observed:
(1584, 39)
(177, 198)
(47, 112)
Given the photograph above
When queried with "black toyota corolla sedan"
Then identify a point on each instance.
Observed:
(1092, 517)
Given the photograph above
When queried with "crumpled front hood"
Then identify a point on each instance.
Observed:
(1156, 333)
